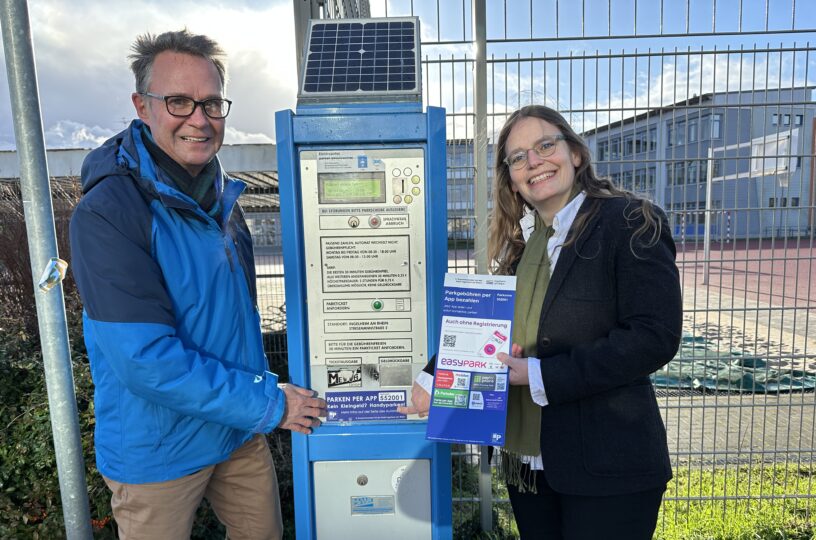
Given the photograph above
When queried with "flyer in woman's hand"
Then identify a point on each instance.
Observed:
(469, 400)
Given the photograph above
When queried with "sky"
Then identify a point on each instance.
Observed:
(85, 83)
(81, 49)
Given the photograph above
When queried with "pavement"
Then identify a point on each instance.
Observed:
(758, 298)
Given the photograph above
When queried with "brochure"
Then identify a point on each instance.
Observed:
(469, 401)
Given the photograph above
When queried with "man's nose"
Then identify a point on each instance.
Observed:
(199, 117)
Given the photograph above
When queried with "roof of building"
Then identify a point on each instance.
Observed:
(696, 100)
(254, 164)
(692, 102)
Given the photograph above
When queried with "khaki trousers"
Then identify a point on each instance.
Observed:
(243, 491)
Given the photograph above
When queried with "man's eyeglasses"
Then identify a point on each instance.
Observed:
(183, 106)
(543, 148)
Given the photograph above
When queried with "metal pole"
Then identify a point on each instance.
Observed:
(42, 242)
(480, 213)
(707, 232)
(480, 133)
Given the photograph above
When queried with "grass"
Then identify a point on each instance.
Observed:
(724, 503)
(747, 502)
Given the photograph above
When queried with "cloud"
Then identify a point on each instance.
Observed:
(84, 80)
(70, 134)
(235, 136)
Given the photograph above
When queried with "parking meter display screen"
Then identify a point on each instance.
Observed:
(350, 188)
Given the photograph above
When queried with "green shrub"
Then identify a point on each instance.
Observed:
(30, 505)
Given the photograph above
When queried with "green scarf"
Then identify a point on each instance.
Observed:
(200, 188)
(523, 414)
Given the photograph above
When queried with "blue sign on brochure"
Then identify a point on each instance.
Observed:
(469, 402)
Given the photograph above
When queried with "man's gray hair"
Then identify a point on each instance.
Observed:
(148, 46)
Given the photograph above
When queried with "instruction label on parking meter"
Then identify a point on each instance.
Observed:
(365, 247)
(355, 264)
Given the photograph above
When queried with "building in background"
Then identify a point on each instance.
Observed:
(755, 147)
(461, 189)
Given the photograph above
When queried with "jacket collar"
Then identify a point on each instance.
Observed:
(134, 156)
(567, 256)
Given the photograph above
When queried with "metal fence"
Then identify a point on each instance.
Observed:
(720, 133)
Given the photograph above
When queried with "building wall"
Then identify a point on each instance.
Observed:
(754, 146)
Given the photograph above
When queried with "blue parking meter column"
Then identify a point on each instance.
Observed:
(363, 212)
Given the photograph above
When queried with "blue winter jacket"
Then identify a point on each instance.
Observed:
(170, 319)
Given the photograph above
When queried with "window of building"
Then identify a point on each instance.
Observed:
(774, 119)
(691, 172)
(679, 175)
(716, 126)
(640, 141)
(644, 179)
(670, 135)
(786, 120)
(628, 145)
(771, 202)
(680, 133)
(794, 201)
(798, 119)
(770, 154)
(689, 214)
(692, 131)
(650, 178)
(652, 139)
(614, 149)
(702, 171)
(627, 180)
(603, 150)
(783, 202)
(716, 168)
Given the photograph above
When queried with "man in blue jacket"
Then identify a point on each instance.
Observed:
(163, 260)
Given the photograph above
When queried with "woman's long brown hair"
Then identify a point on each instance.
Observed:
(505, 242)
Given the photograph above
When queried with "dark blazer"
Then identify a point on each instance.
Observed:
(611, 316)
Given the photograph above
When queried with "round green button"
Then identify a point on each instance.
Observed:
(377, 305)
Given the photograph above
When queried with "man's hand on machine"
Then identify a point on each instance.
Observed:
(420, 402)
(303, 409)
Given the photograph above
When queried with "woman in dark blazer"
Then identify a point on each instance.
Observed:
(598, 308)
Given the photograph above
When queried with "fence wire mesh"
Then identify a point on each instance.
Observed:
(707, 108)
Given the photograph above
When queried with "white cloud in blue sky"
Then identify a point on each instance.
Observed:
(85, 83)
